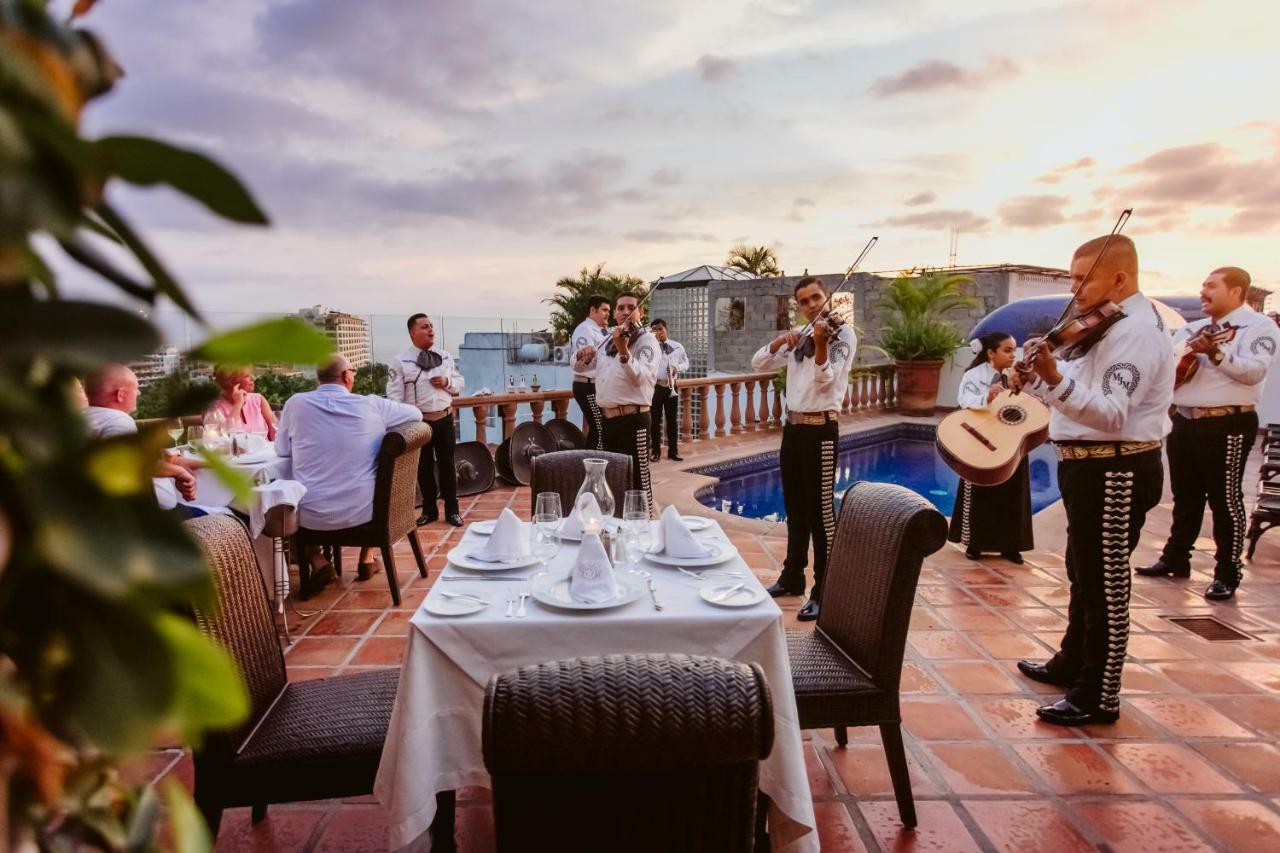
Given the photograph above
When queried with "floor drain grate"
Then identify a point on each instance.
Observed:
(1209, 628)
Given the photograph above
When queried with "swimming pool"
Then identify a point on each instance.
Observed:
(902, 454)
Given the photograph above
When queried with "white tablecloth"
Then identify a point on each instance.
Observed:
(433, 743)
(211, 491)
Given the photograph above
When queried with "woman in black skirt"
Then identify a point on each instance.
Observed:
(991, 518)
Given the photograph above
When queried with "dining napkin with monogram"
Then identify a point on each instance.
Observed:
(508, 543)
(591, 580)
(676, 540)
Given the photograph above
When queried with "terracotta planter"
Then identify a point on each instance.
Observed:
(918, 386)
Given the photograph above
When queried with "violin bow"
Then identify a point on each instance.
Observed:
(1120, 223)
(839, 287)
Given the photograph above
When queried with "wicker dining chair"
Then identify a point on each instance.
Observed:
(846, 672)
(394, 513)
(627, 753)
(307, 740)
(562, 472)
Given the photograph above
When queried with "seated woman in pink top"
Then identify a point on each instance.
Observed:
(237, 406)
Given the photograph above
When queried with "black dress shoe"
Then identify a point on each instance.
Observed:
(366, 570)
(428, 518)
(1013, 557)
(1063, 713)
(675, 457)
(780, 589)
(1041, 672)
(809, 612)
(972, 553)
(318, 580)
(1161, 569)
(454, 519)
(654, 457)
(1219, 591)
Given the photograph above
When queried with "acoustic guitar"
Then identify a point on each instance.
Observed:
(985, 446)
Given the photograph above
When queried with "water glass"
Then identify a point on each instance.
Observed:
(195, 435)
(636, 541)
(636, 502)
(548, 503)
(543, 540)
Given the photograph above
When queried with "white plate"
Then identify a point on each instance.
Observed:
(611, 524)
(745, 597)
(458, 556)
(553, 591)
(718, 552)
(253, 458)
(695, 522)
(438, 605)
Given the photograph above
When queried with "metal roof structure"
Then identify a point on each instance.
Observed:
(705, 273)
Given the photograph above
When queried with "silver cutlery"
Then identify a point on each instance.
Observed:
(724, 596)
(465, 595)
(481, 578)
(653, 591)
(730, 573)
(511, 604)
(520, 611)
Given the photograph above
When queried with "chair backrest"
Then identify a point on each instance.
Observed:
(396, 483)
(882, 536)
(562, 472)
(627, 752)
(241, 620)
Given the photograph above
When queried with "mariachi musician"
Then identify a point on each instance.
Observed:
(817, 376)
(992, 518)
(1227, 356)
(626, 371)
(1109, 412)
(587, 339)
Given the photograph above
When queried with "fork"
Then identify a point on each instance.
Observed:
(703, 574)
(511, 603)
(520, 611)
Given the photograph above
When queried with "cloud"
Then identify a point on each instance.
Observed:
(657, 235)
(1056, 175)
(965, 220)
(1033, 211)
(920, 198)
(715, 69)
(794, 215)
(666, 177)
(934, 74)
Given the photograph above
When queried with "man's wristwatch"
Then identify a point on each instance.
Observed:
(1217, 357)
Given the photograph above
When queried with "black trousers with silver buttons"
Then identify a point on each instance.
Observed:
(808, 462)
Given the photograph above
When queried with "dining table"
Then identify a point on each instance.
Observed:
(433, 743)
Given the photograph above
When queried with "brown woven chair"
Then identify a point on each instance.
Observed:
(562, 472)
(627, 753)
(307, 740)
(846, 672)
(394, 513)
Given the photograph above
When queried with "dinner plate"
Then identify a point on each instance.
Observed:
(252, 458)
(745, 597)
(438, 605)
(717, 552)
(553, 591)
(459, 556)
(695, 522)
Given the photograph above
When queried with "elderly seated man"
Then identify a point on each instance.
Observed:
(112, 392)
(333, 437)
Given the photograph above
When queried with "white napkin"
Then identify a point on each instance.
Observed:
(591, 581)
(675, 539)
(508, 543)
(270, 495)
(571, 527)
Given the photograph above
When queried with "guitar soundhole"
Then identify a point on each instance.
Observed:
(1012, 415)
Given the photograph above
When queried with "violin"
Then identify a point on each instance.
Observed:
(831, 322)
(1188, 361)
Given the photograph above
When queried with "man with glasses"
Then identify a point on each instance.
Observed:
(426, 376)
(333, 438)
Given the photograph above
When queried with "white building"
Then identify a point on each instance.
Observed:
(349, 333)
(157, 365)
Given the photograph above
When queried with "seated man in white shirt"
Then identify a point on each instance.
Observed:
(333, 438)
(112, 392)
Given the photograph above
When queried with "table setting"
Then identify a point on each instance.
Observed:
(559, 586)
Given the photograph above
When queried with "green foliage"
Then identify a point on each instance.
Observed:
(278, 387)
(177, 392)
(372, 379)
(570, 305)
(94, 664)
(916, 327)
(760, 261)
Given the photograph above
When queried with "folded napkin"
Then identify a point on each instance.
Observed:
(675, 540)
(571, 527)
(270, 495)
(591, 581)
(508, 543)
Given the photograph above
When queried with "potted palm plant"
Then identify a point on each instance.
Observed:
(917, 334)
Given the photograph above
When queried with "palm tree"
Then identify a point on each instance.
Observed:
(760, 261)
(570, 304)
(916, 326)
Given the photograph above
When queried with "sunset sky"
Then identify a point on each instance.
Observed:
(458, 157)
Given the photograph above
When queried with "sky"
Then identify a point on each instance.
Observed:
(458, 156)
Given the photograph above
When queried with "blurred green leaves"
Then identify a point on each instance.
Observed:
(286, 339)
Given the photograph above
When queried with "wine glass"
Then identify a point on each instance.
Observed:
(548, 503)
(543, 540)
(635, 503)
(176, 432)
(637, 538)
(195, 436)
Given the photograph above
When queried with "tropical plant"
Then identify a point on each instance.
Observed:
(179, 391)
(96, 662)
(372, 379)
(916, 327)
(760, 261)
(279, 387)
(571, 302)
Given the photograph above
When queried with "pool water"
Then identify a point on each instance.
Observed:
(907, 461)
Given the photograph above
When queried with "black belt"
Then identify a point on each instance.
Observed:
(577, 381)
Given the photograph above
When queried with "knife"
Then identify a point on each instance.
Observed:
(481, 578)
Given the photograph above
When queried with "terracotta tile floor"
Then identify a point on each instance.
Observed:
(1191, 765)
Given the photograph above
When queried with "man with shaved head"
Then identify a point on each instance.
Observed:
(1214, 428)
(1109, 414)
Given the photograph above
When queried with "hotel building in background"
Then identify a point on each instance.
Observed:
(349, 333)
